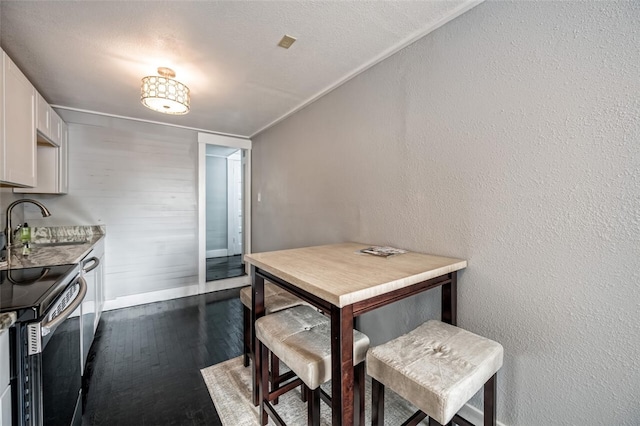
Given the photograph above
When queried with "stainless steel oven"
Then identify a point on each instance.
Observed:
(46, 375)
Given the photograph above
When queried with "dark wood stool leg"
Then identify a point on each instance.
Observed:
(264, 384)
(433, 422)
(304, 391)
(275, 372)
(313, 406)
(359, 379)
(246, 328)
(377, 403)
(490, 401)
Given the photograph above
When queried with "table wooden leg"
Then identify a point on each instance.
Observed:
(342, 366)
(257, 311)
(450, 300)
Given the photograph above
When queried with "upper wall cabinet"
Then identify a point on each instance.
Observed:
(43, 116)
(17, 127)
(52, 168)
(63, 159)
(48, 123)
(33, 137)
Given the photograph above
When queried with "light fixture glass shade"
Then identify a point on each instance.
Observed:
(165, 95)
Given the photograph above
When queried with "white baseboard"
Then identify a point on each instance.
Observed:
(174, 293)
(150, 297)
(227, 283)
(217, 253)
(474, 415)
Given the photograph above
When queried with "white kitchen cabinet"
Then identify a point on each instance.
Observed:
(17, 127)
(5, 386)
(99, 271)
(48, 122)
(56, 128)
(52, 165)
(4, 359)
(43, 116)
(95, 281)
(63, 160)
(5, 407)
(91, 308)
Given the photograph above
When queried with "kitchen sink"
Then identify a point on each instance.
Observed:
(60, 243)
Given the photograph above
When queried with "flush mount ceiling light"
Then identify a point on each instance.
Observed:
(164, 94)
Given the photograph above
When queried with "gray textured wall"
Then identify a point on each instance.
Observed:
(508, 137)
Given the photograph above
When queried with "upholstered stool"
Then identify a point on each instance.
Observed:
(301, 338)
(275, 299)
(437, 367)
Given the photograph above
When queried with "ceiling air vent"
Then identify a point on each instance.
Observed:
(286, 41)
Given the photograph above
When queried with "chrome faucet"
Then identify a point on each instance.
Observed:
(9, 231)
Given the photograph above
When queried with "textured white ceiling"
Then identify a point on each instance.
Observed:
(91, 55)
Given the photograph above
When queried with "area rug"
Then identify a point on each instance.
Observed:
(229, 385)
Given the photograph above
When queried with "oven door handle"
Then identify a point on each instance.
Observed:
(91, 266)
(48, 326)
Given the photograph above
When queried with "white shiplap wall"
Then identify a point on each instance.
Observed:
(139, 180)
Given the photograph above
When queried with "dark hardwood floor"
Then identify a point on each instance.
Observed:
(219, 268)
(144, 365)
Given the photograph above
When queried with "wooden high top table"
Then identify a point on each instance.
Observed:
(345, 284)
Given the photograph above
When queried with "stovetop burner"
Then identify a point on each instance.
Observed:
(27, 288)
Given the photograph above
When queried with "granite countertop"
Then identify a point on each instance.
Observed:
(7, 319)
(86, 236)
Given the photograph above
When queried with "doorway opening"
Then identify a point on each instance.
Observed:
(224, 203)
(224, 197)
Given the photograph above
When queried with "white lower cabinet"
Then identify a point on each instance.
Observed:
(5, 386)
(99, 284)
(91, 308)
(5, 407)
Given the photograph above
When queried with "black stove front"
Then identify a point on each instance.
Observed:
(45, 343)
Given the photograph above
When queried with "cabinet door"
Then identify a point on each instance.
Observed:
(56, 128)
(63, 178)
(88, 312)
(4, 359)
(19, 137)
(98, 251)
(5, 407)
(52, 167)
(43, 116)
(48, 171)
(5, 389)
